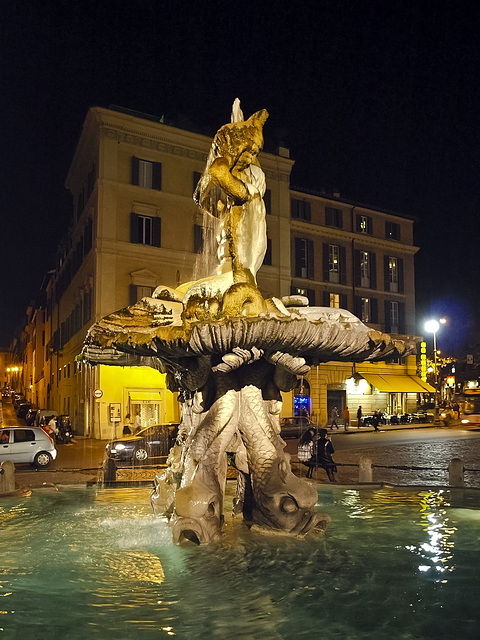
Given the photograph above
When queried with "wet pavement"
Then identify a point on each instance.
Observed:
(423, 460)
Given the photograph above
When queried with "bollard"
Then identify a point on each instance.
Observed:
(455, 473)
(365, 472)
(109, 471)
(7, 477)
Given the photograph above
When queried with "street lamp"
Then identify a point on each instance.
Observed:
(432, 326)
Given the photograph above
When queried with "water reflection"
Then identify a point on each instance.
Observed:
(436, 552)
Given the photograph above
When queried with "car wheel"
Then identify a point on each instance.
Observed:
(140, 455)
(42, 460)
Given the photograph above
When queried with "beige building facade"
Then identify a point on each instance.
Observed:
(135, 226)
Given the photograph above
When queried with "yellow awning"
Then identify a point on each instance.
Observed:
(141, 397)
(397, 384)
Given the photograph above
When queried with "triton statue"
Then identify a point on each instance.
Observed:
(229, 352)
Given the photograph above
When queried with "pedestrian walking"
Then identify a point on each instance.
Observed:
(359, 417)
(323, 455)
(375, 421)
(346, 418)
(333, 418)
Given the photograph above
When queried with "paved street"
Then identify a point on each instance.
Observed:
(416, 446)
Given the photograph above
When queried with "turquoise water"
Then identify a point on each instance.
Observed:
(86, 563)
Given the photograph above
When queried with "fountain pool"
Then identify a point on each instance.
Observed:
(94, 563)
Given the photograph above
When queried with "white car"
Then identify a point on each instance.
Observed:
(30, 445)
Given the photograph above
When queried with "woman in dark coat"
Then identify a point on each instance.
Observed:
(323, 455)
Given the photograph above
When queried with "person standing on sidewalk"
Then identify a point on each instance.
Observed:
(359, 417)
(346, 418)
(334, 417)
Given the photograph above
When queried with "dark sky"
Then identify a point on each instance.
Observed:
(378, 100)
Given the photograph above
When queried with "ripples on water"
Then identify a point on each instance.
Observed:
(393, 564)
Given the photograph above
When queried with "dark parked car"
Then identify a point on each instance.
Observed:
(295, 426)
(152, 443)
(30, 416)
(18, 400)
(22, 409)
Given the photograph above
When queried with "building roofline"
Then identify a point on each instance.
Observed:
(353, 203)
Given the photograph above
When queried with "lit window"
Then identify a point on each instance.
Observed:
(365, 310)
(364, 269)
(334, 263)
(335, 300)
(393, 274)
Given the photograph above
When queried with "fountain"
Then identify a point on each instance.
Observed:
(229, 353)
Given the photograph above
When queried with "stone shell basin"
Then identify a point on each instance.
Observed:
(152, 333)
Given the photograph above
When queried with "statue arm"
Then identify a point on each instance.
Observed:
(222, 176)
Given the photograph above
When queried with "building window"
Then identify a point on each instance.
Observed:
(146, 174)
(304, 258)
(334, 300)
(333, 217)
(365, 315)
(392, 230)
(300, 209)
(137, 292)
(333, 264)
(393, 274)
(307, 293)
(267, 260)
(394, 317)
(367, 309)
(145, 230)
(365, 269)
(364, 224)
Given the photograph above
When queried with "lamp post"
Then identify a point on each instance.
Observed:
(432, 326)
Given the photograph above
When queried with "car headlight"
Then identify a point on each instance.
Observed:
(119, 447)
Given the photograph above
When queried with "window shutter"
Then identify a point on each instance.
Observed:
(343, 265)
(374, 310)
(373, 270)
(133, 227)
(325, 262)
(328, 217)
(386, 273)
(369, 226)
(311, 297)
(357, 261)
(340, 219)
(310, 265)
(157, 176)
(400, 275)
(197, 238)
(267, 198)
(343, 301)
(326, 298)
(388, 324)
(134, 170)
(401, 317)
(307, 215)
(294, 213)
(358, 307)
(133, 294)
(298, 263)
(156, 232)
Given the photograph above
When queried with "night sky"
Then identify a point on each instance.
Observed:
(377, 100)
